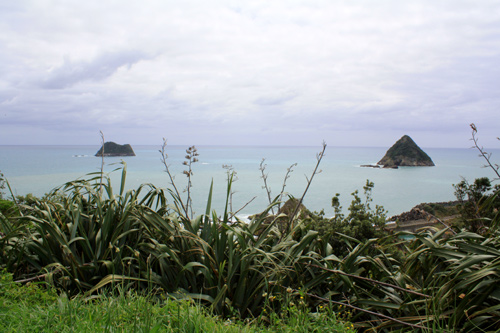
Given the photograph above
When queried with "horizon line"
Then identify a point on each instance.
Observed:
(231, 146)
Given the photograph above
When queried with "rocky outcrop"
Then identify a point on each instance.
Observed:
(375, 166)
(114, 149)
(414, 214)
(427, 210)
(405, 152)
(287, 209)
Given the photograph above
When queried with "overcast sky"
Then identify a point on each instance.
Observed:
(352, 73)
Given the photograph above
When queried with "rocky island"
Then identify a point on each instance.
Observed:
(114, 149)
(405, 152)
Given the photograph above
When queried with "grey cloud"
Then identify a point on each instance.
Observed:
(71, 73)
(321, 68)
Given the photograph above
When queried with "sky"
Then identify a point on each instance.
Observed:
(282, 72)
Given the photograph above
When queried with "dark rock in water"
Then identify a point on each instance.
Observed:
(114, 149)
(405, 152)
(370, 166)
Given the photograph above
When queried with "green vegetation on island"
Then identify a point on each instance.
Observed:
(113, 149)
(405, 152)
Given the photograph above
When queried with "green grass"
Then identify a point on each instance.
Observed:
(35, 308)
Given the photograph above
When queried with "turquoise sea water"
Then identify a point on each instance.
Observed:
(38, 169)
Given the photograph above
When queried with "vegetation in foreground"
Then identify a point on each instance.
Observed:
(34, 307)
(86, 240)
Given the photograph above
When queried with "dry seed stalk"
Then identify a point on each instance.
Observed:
(164, 157)
(191, 157)
(287, 175)
(482, 152)
(262, 169)
(319, 157)
(231, 176)
(102, 163)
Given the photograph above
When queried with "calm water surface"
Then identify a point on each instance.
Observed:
(38, 169)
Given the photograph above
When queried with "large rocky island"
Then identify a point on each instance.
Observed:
(113, 149)
(405, 152)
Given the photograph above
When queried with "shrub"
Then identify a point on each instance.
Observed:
(7, 207)
(360, 224)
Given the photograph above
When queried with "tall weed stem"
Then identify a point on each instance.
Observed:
(319, 157)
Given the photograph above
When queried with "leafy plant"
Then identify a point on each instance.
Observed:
(472, 199)
(361, 223)
(479, 201)
(84, 235)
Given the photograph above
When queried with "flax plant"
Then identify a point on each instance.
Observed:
(212, 259)
(84, 235)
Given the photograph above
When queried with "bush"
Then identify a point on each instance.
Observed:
(478, 203)
(361, 223)
(7, 207)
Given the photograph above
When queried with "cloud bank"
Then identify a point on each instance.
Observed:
(262, 73)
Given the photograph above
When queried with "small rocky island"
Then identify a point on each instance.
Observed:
(405, 152)
(114, 149)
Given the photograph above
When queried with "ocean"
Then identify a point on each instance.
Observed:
(38, 169)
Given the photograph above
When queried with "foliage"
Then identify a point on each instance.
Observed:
(86, 241)
(405, 149)
(114, 149)
(440, 209)
(83, 236)
(361, 223)
(472, 203)
(479, 201)
(31, 293)
(32, 307)
(462, 275)
(7, 207)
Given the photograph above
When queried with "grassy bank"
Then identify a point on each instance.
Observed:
(35, 308)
